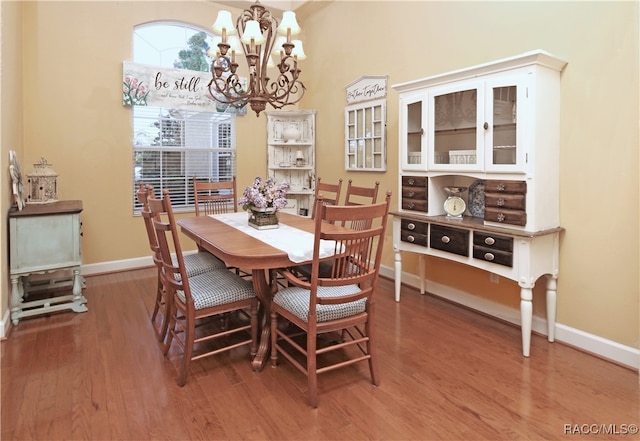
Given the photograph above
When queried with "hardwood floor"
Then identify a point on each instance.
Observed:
(448, 373)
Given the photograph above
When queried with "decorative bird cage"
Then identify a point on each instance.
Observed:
(43, 183)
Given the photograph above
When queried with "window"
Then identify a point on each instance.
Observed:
(365, 136)
(172, 146)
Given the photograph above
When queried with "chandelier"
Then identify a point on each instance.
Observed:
(259, 36)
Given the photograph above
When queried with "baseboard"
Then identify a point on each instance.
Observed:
(593, 344)
(601, 347)
(116, 265)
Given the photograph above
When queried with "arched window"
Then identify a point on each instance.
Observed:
(172, 146)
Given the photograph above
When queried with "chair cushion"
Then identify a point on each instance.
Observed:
(201, 262)
(218, 287)
(296, 300)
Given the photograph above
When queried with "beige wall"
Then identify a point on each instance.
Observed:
(598, 288)
(11, 129)
(73, 116)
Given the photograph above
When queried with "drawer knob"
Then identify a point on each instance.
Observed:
(411, 205)
(411, 239)
(489, 257)
(500, 202)
(501, 217)
(411, 194)
(445, 239)
(489, 240)
(411, 226)
(411, 182)
(500, 187)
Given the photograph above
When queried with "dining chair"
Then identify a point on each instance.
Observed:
(357, 195)
(330, 194)
(340, 306)
(215, 197)
(195, 263)
(191, 298)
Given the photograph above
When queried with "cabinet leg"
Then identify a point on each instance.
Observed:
(421, 273)
(526, 316)
(552, 287)
(16, 299)
(77, 285)
(78, 304)
(398, 270)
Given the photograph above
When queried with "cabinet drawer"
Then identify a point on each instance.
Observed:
(414, 181)
(416, 238)
(505, 216)
(414, 193)
(414, 226)
(498, 186)
(452, 240)
(491, 241)
(503, 200)
(414, 204)
(492, 255)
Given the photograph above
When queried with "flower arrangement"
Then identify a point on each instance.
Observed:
(264, 194)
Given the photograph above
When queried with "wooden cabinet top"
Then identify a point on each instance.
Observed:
(58, 207)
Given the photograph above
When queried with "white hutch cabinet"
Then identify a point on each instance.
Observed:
(493, 131)
(291, 147)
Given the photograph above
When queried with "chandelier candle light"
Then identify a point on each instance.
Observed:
(258, 38)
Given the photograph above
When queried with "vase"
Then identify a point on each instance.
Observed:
(291, 133)
(263, 218)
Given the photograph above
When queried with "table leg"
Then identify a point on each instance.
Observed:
(264, 290)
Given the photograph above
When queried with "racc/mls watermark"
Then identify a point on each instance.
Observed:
(600, 429)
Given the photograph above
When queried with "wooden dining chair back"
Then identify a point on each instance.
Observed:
(192, 298)
(339, 306)
(360, 196)
(215, 197)
(330, 194)
(195, 263)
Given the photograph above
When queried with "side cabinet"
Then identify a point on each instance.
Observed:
(45, 239)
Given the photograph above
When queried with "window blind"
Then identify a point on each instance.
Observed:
(172, 146)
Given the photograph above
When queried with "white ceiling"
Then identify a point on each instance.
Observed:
(273, 5)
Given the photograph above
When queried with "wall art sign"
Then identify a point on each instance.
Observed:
(367, 88)
(144, 85)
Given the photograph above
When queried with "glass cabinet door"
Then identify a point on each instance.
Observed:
(504, 150)
(456, 128)
(413, 117)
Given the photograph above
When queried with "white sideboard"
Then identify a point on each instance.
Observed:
(492, 130)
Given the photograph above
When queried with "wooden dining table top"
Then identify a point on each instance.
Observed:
(237, 248)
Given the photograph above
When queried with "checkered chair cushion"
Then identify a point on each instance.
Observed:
(217, 287)
(200, 263)
(296, 300)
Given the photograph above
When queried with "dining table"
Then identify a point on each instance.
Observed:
(230, 238)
